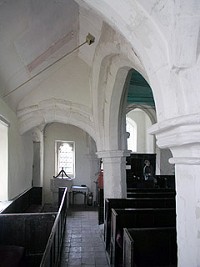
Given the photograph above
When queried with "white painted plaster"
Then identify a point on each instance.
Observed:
(188, 184)
(19, 154)
(114, 168)
(89, 22)
(181, 134)
(56, 110)
(38, 156)
(3, 161)
(28, 29)
(145, 142)
(165, 166)
(156, 37)
(69, 82)
(84, 173)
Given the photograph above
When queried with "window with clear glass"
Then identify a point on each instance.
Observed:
(65, 154)
(131, 128)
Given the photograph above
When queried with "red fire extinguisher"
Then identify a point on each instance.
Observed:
(100, 180)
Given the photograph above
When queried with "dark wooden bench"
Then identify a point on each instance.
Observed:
(28, 201)
(151, 194)
(12, 256)
(136, 218)
(40, 234)
(165, 181)
(149, 190)
(148, 247)
(113, 203)
(28, 230)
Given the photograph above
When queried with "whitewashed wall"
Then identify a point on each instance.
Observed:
(146, 143)
(150, 140)
(144, 140)
(69, 82)
(161, 41)
(20, 155)
(165, 166)
(64, 97)
(85, 156)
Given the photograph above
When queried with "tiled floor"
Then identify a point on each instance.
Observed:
(83, 243)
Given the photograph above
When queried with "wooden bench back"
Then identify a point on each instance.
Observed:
(137, 203)
(27, 230)
(151, 194)
(149, 247)
(142, 217)
(150, 190)
(23, 202)
(131, 203)
(136, 218)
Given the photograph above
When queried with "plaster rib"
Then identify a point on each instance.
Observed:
(56, 110)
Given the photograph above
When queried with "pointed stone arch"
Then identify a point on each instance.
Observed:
(56, 110)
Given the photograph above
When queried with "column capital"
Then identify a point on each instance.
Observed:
(185, 160)
(177, 131)
(37, 134)
(113, 153)
(182, 136)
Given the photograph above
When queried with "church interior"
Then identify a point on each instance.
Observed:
(99, 108)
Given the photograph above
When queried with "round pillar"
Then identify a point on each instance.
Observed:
(114, 171)
(182, 136)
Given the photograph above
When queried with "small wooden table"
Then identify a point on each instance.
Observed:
(78, 189)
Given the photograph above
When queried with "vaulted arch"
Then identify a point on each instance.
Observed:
(56, 110)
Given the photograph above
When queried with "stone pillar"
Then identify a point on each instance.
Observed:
(38, 157)
(182, 136)
(114, 173)
(94, 173)
(188, 211)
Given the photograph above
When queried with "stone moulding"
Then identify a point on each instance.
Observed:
(56, 110)
(177, 131)
(182, 136)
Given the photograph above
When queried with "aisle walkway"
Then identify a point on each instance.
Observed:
(83, 244)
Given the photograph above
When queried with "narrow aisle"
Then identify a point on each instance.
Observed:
(83, 244)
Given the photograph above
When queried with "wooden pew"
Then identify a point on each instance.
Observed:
(165, 181)
(113, 203)
(132, 218)
(28, 230)
(28, 201)
(150, 190)
(12, 256)
(151, 194)
(148, 247)
(39, 235)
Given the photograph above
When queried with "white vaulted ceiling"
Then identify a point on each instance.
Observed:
(33, 35)
(36, 33)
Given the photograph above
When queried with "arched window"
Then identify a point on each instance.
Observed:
(131, 128)
(65, 151)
